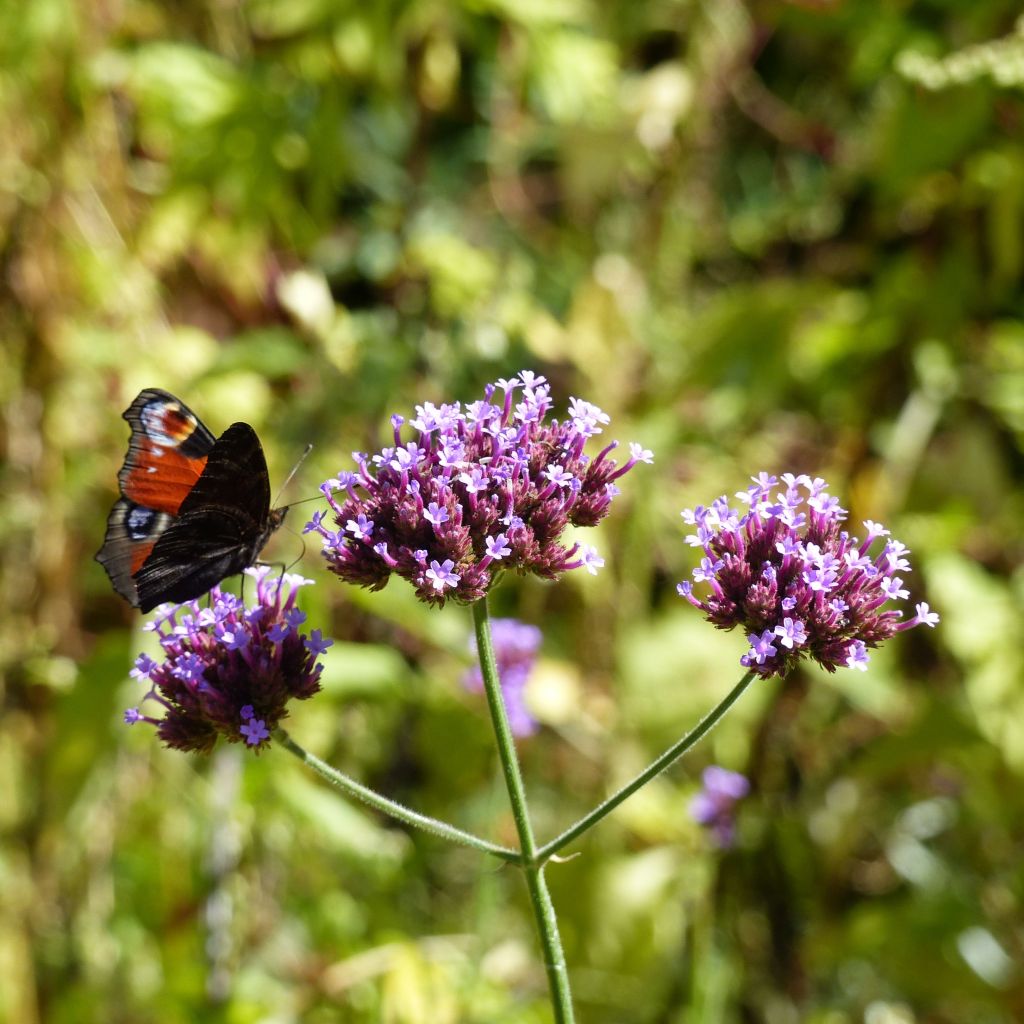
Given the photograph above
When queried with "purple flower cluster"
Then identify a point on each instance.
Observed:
(714, 806)
(229, 669)
(798, 584)
(515, 650)
(479, 489)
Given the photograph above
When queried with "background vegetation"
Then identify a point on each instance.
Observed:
(772, 235)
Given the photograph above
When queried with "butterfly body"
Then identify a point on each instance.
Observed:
(194, 509)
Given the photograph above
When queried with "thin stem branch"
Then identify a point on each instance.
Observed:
(703, 727)
(355, 789)
(533, 869)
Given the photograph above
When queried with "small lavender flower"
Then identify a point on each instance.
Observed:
(229, 669)
(714, 806)
(435, 514)
(497, 547)
(484, 487)
(515, 650)
(798, 584)
(441, 575)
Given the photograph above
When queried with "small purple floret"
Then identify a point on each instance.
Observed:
(714, 806)
(316, 644)
(791, 633)
(498, 547)
(234, 639)
(144, 665)
(761, 648)
(640, 454)
(255, 731)
(278, 631)
(361, 528)
(435, 514)
(441, 575)
(591, 560)
(857, 655)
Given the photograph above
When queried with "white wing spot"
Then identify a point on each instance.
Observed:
(140, 521)
(153, 416)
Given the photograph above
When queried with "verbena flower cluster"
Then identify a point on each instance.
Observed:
(515, 650)
(798, 584)
(714, 806)
(228, 669)
(478, 489)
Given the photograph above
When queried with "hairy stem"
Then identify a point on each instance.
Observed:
(703, 727)
(533, 869)
(355, 789)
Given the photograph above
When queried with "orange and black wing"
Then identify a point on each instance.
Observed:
(167, 453)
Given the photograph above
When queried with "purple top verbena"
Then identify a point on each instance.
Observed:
(478, 489)
(515, 650)
(798, 584)
(714, 806)
(229, 669)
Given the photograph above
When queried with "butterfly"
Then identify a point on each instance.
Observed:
(193, 510)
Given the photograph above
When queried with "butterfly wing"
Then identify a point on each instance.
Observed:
(132, 531)
(191, 556)
(166, 457)
(221, 526)
(166, 452)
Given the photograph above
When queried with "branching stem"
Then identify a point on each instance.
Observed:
(355, 789)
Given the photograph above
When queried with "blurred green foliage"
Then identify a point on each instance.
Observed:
(772, 235)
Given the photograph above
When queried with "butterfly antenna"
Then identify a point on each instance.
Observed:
(295, 469)
(302, 554)
(302, 541)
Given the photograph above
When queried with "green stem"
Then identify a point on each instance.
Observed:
(390, 807)
(703, 727)
(532, 865)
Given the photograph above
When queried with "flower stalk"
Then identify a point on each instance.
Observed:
(531, 864)
(698, 732)
(381, 803)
